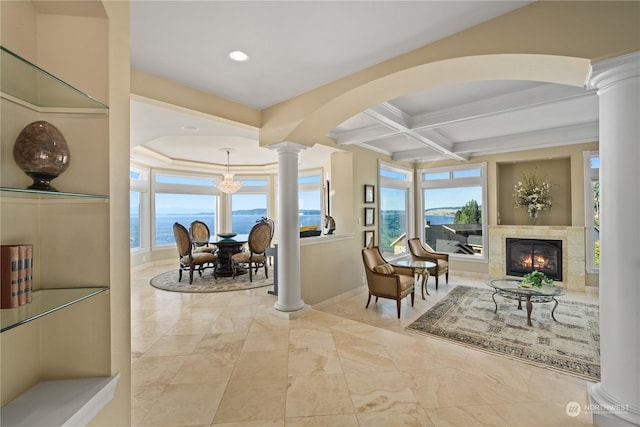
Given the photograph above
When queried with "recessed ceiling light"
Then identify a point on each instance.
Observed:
(238, 55)
(190, 128)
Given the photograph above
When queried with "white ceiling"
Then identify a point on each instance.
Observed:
(296, 46)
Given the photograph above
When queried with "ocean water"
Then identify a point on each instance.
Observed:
(241, 224)
(439, 219)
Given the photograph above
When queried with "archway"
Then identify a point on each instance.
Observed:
(328, 113)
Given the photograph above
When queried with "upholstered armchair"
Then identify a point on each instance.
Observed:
(189, 259)
(200, 236)
(254, 257)
(386, 280)
(422, 253)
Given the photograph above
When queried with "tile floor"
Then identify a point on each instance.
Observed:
(221, 359)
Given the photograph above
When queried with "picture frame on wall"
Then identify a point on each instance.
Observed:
(369, 216)
(369, 193)
(369, 238)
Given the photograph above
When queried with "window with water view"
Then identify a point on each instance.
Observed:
(184, 209)
(395, 209)
(134, 220)
(310, 200)
(246, 210)
(453, 204)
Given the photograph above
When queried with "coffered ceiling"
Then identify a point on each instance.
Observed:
(296, 46)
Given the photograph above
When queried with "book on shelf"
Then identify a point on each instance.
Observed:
(29, 273)
(17, 275)
(9, 276)
(22, 275)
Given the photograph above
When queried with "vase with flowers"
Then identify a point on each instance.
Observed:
(534, 195)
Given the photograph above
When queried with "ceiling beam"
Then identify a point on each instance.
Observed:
(397, 120)
(566, 135)
(362, 135)
(545, 94)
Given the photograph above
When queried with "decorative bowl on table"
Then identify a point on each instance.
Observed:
(227, 236)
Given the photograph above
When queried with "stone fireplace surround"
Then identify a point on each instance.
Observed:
(573, 250)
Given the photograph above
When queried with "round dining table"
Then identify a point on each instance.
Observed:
(226, 249)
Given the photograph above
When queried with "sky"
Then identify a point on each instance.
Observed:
(456, 197)
(185, 203)
(393, 199)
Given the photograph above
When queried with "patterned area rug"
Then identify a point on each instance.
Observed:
(570, 345)
(169, 282)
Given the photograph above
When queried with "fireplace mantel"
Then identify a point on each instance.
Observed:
(573, 250)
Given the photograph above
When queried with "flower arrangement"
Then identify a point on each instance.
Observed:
(536, 278)
(534, 194)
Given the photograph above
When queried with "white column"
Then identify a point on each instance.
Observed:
(289, 289)
(615, 401)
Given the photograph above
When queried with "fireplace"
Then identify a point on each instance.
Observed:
(526, 255)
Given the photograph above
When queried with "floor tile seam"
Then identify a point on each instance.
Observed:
(486, 401)
(224, 392)
(317, 415)
(240, 378)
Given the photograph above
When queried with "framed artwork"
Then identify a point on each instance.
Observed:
(369, 238)
(369, 215)
(369, 194)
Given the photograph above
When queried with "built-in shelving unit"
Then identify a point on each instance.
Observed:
(32, 87)
(56, 371)
(44, 302)
(60, 403)
(41, 194)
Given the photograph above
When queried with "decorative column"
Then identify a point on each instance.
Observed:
(615, 401)
(290, 303)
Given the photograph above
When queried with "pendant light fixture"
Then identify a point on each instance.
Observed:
(228, 185)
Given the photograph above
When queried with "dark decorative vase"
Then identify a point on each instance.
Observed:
(42, 153)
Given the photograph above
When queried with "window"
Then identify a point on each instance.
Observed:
(246, 209)
(396, 213)
(453, 201)
(138, 208)
(184, 209)
(182, 198)
(134, 220)
(592, 209)
(310, 199)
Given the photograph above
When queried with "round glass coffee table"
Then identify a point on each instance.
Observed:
(515, 289)
(422, 269)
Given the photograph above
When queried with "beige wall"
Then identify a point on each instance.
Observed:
(544, 41)
(76, 242)
(555, 171)
(582, 30)
(564, 166)
(512, 46)
(118, 411)
(157, 89)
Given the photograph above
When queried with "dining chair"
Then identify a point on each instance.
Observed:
(254, 257)
(189, 259)
(200, 236)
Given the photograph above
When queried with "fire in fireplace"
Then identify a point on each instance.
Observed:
(526, 255)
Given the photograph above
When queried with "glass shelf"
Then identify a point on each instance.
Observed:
(39, 90)
(50, 194)
(45, 301)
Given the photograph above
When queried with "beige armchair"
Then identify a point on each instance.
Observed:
(441, 260)
(189, 260)
(386, 280)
